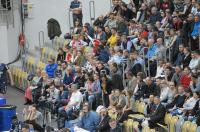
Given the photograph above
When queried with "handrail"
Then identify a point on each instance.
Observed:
(92, 11)
(111, 3)
(41, 35)
(144, 56)
(71, 26)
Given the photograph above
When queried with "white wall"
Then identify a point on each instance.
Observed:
(42, 11)
(3, 46)
(58, 9)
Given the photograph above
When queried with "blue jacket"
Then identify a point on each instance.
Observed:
(195, 31)
(152, 51)
(89, 121)
(103, 56)
(50, 69)
(68, 79)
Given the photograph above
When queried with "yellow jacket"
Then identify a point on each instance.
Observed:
(112, 41)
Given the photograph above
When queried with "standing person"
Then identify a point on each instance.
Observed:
(76, 8)
(4, 71)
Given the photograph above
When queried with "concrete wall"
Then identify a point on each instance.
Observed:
(58, 9)
(42, 11)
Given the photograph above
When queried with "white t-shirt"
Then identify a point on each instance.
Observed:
(76, 97)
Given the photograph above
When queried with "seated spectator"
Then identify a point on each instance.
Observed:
(73, 104)
(102, 69)
(130, 105)
(117, 57)
(134, 63)
(195, 33)
(121, 116)
(100, 21)
(196, 111)
(131, 81)
(117, 82)
(89, 120)
(38, 82)
(33, 116)
(140, 87)
(68, 57)
(190, 103)
(126, 44)
(166, 95)
(103, 54)
(89, 87)
(180, 56)
(172, 89)
(111, 22)
(51, 68)
(76, 43)
(158, 115)
(112, 41)
(79, 60)
(168, 73)
(114, 126)
(155, 15)
(187, 57)
(100, 35)
(195, 83)
(61, 55)
(63, 98)
(177, 75)
(151, 107)
(68, 78)
(160, 69)
(161, 50)
(186, 78)
(194, 63)
(149, 88)
(103, 125)
(106, 88)
(179, 99)
(114, 69)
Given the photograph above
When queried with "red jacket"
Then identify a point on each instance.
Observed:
(185, 81)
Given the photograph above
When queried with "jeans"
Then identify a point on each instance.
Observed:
(67, 112)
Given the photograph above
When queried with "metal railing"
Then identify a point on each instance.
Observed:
(92, 11)
(70, 18)
(41, 39)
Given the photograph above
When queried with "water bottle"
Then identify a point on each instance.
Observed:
(31, 130)
(20, 125)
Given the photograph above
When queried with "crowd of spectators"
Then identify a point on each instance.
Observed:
(146, 50)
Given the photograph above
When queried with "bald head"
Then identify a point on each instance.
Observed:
(150, 42)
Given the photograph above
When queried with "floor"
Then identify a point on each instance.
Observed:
(16, 97)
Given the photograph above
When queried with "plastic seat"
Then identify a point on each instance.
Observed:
(186, 126)
(172, 123)
(198, 129)
(193, 127)
(41, 65)
(141, 107)
(146, 129)
(167, 118)
(43, 55)
(31, 65)
(178, 124)
(137, 105)
(132, 125)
